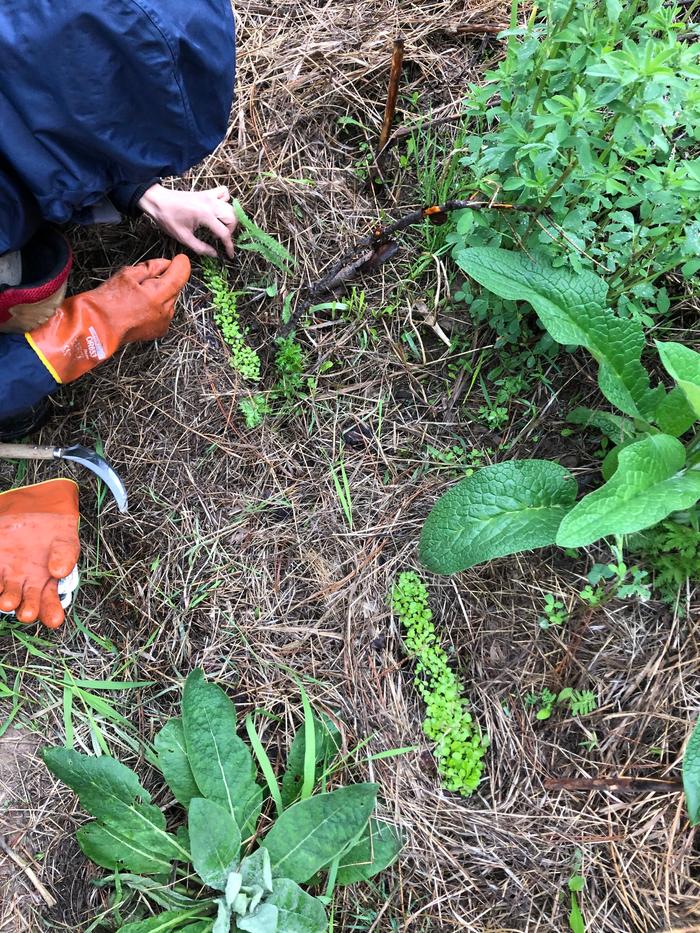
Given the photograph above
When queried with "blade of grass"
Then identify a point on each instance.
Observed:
(265, 764)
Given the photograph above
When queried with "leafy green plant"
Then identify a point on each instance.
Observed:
(649, 475)
(216, 874)
(590, 123)
(575, 885)
(691, 776)
(251, 238)
(579, 702)
(554, 612)
(671, 550)
(459, 743)
(254, 409)
(243, 358)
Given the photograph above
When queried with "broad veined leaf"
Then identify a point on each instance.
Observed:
(328, 743)
(376, 849)
(168, 920)
(110, 791)
(173, 762)
(221, 762)
(691, 776)
(572, 308)
(683, 364)
(298, 912)
(215, 841)
(311, 833)
(612, 426)
(674, 414)
(264, 920)
(502, 509)
(648, 485)
(107, 845)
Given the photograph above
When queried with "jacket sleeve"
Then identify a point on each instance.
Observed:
(126, 197)
(24, 379)
(19, 212)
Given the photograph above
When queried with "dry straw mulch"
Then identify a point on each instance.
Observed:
(237, 557)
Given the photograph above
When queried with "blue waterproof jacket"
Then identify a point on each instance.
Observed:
(98, 97)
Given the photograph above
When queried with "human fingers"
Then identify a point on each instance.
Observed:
(188, 238)
(51, 612)
(63, 556)
(11, 595)
(221, 232)
(150, 269)
(222, 192)
(28, 610)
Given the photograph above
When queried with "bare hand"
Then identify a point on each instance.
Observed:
(181, 213)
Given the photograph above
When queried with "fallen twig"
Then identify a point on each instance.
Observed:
(376, 248)
(390, 109)
(626, 785)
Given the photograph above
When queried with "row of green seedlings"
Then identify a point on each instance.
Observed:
(290, 362)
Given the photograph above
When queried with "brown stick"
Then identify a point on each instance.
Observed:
(627, 785)
(368, 252)
(25, 867)
(392, 94)
(477, 29)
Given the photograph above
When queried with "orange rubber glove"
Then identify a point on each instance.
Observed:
(136, 304)
(38, 547)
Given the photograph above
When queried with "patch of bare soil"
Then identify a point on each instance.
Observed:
(237, 555)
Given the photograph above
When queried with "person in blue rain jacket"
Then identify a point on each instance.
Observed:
(99, 100)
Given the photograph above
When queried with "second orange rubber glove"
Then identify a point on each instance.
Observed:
(136, 304)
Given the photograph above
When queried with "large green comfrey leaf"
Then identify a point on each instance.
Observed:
(376, 849)
(648, 484)
(297, 911)
(264, 920)
(311, 833)
(572, 308)
(500, 510)
(684, 365)
(173, 761)
(111, 793)
(691, 776)
(215, 842)
(674, 414)
(221, 762)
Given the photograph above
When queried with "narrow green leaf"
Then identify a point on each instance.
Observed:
(265, 763)
(683, 364)
(174, 763)
(648, 485)
(376, 849)
(327, 741)
(298, 912)
(215, 842)
(691, 776)
(307, 786)
(165, 895)
(312, 832)
(221, 762)
(502, 509)
(572, 308)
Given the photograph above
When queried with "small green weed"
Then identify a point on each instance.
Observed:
(576, 921)
(459, 743)
(579, 702)
(672, 553)
(554, 612)
(254, 409)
